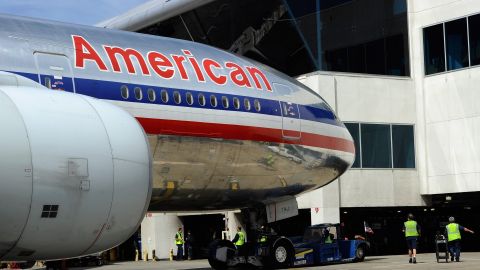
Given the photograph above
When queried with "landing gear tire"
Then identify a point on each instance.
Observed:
(360, 254)
(281, 254)
(218, 260)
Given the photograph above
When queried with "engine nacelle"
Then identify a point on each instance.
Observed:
(75, 174)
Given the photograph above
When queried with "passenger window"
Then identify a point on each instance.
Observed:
(124, 91)
(256, 104)
(213, 101)
(176, 97)
(164, 96)
(189, 98)
(236, 103)
(246, 104)
(225, 102)
(138, 93)
(151, 94)
(201, 99)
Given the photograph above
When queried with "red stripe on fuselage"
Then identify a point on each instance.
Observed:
(239, 132)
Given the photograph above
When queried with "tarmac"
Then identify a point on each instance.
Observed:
(468, 260)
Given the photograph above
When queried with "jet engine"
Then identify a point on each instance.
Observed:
(75, 173)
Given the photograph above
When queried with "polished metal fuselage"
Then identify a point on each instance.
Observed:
(192, 170)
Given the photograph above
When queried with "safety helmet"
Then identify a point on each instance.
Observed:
(451, 219)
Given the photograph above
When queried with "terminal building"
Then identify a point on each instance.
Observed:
(403, 75)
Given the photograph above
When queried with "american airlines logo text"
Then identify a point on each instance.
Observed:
(166, 67)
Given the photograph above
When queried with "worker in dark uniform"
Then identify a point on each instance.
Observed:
(179, 242)
(412, 231)
(454, 237)
(189, 242)
(239, 240)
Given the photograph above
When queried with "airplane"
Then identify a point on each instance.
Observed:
(100, 125)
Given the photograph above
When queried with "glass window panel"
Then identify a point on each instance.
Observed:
(474, 26)
(395, 55)
(434, 49)
(376, 149)
(356, 59)
(457, 47)
(403, 146)
(354, 129)
(376, 57)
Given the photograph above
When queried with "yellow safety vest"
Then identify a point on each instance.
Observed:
(411, 228)
(263, 239)
(453, 232)
(328, 240)
(179, 238)
(241, 239)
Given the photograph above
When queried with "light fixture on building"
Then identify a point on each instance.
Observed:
(448, 198)
(425, 210)
(399, 211)
(345, 212)
(432, 209)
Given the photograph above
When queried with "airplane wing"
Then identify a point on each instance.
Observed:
(150, 13)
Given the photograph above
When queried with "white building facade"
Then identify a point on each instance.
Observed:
(440, 101)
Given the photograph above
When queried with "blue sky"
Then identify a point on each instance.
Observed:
(87, 12)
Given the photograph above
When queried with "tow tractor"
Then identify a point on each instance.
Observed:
(320, 244)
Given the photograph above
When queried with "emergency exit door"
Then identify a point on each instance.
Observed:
(291, 123)
(54, 71)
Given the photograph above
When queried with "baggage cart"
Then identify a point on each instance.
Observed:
(441, 248)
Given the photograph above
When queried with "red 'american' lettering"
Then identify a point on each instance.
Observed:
(166, 67)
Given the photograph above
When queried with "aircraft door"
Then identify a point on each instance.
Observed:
(54, 71)
(291, 123)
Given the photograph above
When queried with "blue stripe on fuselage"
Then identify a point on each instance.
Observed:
(112, 91)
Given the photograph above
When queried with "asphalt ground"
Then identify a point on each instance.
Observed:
(468, 260)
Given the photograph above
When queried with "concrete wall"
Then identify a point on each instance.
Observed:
(449, 115)
(367, 99)
(158, 233)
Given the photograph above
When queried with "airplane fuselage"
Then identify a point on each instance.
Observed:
(224, 131)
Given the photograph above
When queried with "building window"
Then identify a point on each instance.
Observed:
(375, 57)
(457, 46)
(474, 37)
(383, 145)
(403, 146)
(434, 49)
(376, 147)
(354, 130)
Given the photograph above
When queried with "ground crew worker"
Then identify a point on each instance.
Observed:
(454, 237)
(262, 235)
(412, 231)
(179, 242)
(239, 240)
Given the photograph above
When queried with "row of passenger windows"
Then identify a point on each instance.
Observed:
(383, 145)
(452, 45)
(190, 99)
